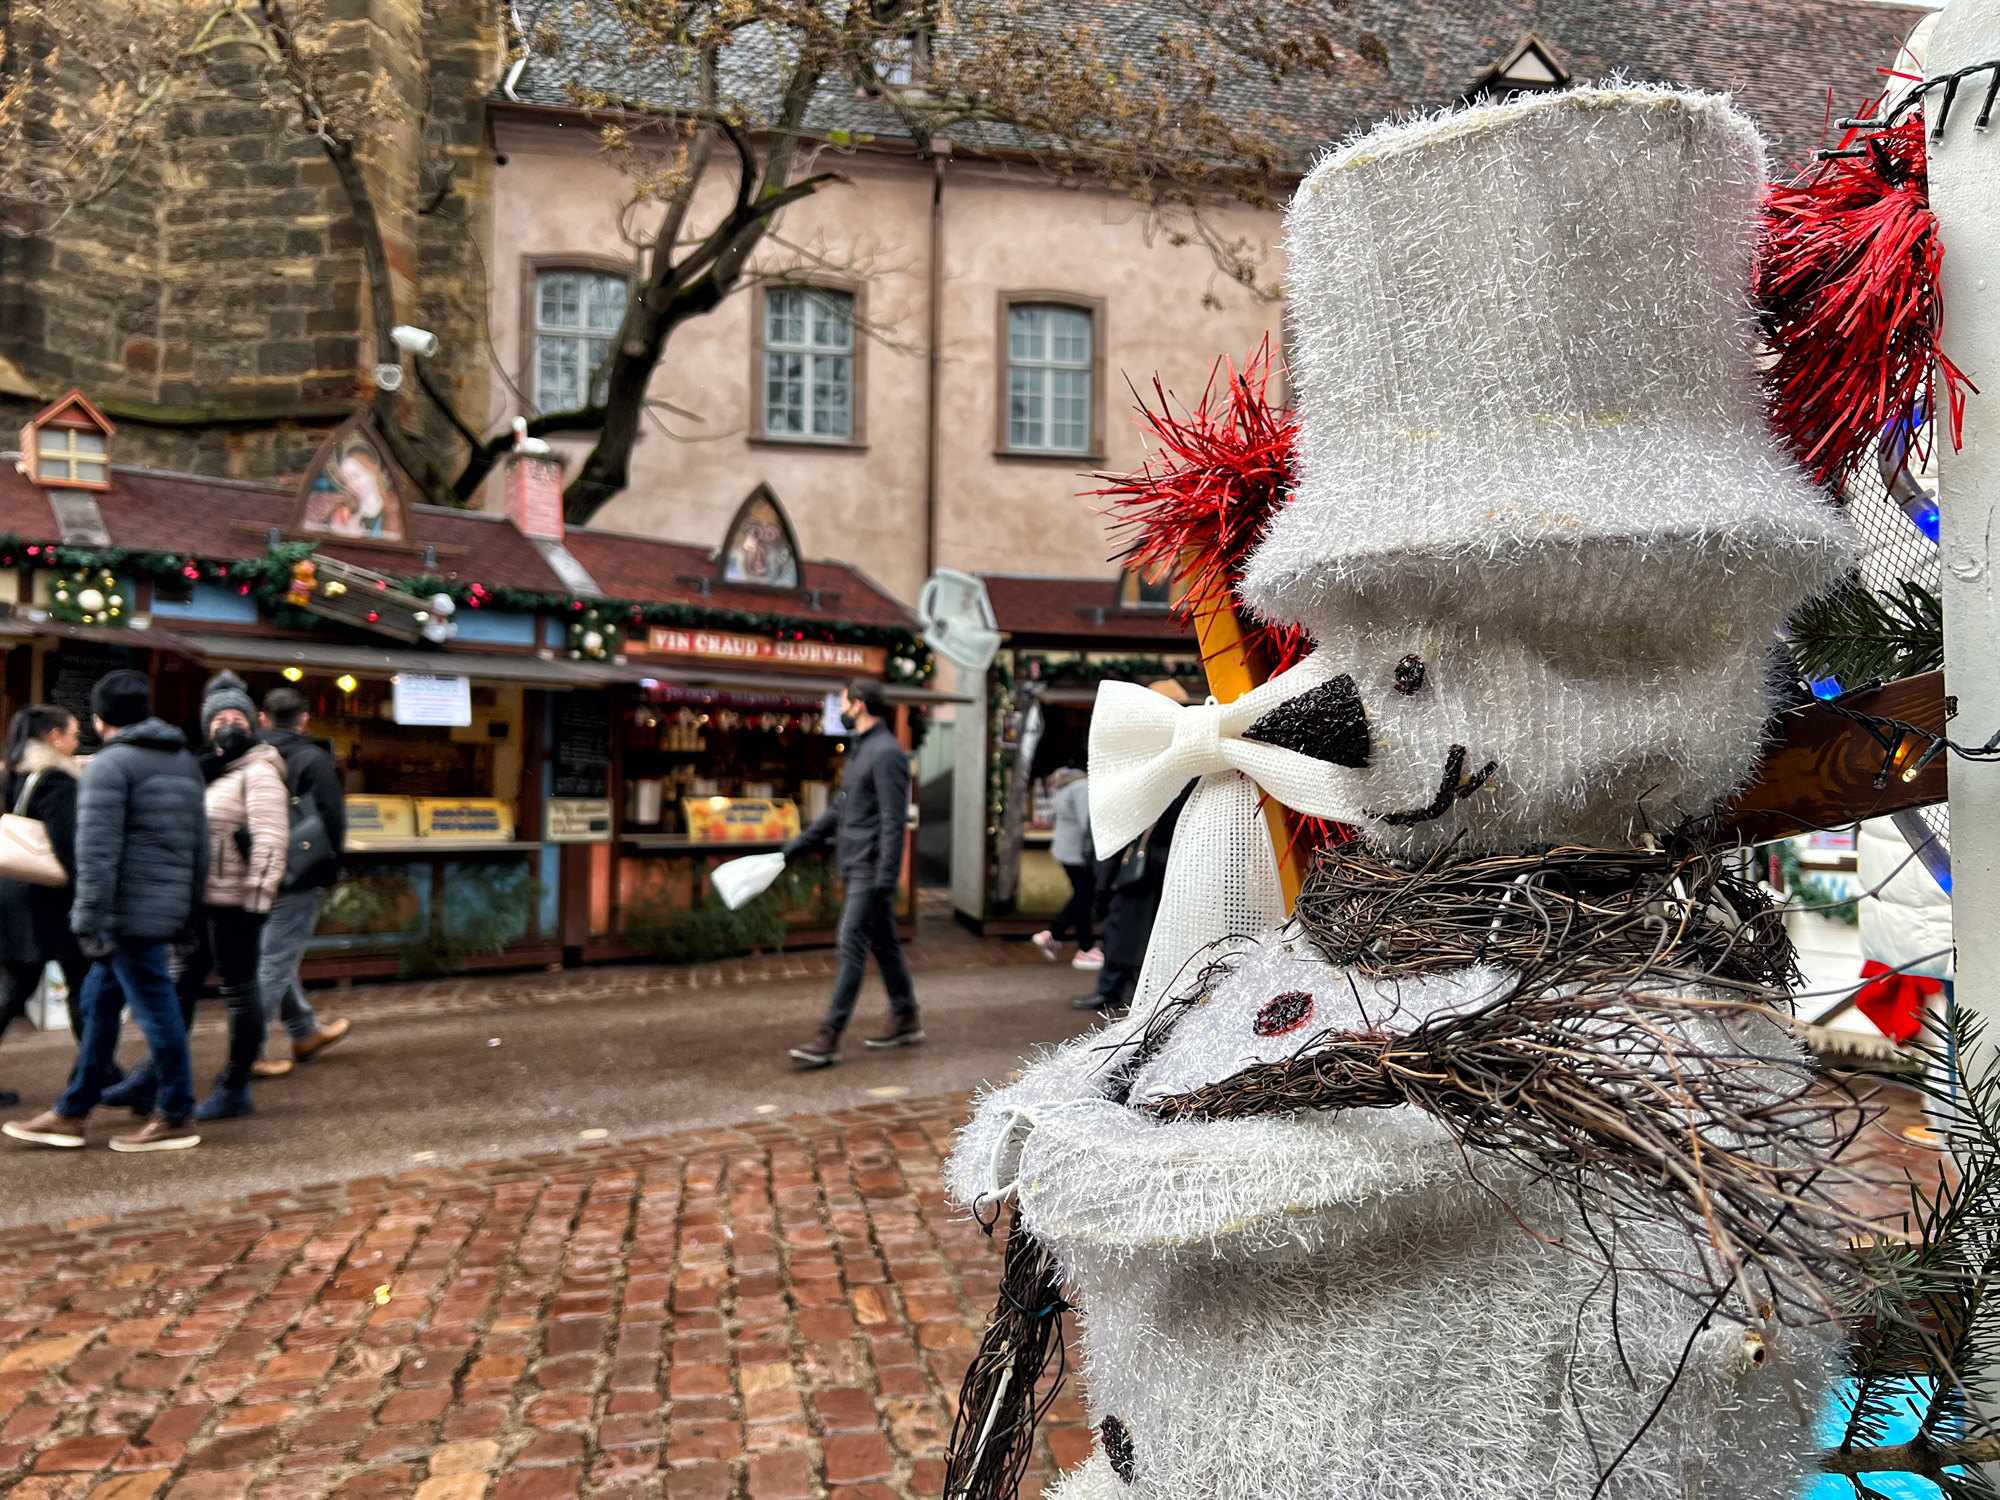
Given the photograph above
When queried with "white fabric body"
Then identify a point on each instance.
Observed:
(1333, 1307)
(1907, 923)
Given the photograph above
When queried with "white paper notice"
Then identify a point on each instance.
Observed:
(425, 698)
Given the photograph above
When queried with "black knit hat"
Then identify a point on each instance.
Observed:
(122, 698)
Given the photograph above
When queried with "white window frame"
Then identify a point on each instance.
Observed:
(598, 340)
(1030, 375)
(825, 308)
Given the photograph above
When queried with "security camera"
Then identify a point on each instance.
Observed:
(389, 377)
(418, 341)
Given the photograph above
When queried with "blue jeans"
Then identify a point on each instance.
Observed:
(136, 975)
(868, 925)
(294, 916)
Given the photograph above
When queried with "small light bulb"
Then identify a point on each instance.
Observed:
(345, 682)
(294, 674)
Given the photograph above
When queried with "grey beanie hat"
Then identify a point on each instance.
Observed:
(226, 690)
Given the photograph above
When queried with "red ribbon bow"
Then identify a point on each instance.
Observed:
(1895, 1001)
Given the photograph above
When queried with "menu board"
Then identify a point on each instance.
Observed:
(740, 820)
(583, 746)
(68, 675)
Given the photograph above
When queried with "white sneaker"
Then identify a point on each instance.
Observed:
(1089, 958)
(1046, 941)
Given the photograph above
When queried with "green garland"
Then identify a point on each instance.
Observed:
(268, 576)
(1812, 892)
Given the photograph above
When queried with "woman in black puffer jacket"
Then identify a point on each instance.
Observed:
(41, 775)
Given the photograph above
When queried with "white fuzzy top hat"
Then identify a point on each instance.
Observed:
(1524, 355)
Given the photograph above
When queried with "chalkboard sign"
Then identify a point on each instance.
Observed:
(68, 675)
(583, 745)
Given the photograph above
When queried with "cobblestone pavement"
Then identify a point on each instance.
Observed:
(781, 1310)
(771, 1312)
(943, 949)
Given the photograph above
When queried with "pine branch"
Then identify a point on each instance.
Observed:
(1855, 635)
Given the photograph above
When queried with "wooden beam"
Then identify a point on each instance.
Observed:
(1821, 770)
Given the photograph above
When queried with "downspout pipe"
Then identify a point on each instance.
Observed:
(934, 367)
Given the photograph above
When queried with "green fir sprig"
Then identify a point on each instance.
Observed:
(1856, 634)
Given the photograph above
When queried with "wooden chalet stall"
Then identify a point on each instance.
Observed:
(492, 687)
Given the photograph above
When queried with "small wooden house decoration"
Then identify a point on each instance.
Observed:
(68, 444)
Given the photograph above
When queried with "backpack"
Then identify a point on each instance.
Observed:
(309, 851)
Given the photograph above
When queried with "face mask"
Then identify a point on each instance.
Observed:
(232, 740)
(847, 719)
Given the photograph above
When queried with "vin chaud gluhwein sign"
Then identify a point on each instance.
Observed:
(723, 645)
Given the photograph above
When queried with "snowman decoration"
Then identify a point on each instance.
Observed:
(1544, 539)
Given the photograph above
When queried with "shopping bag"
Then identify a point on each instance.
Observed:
(743, 880)
(25, 851)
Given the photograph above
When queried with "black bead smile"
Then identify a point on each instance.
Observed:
(1450, 790)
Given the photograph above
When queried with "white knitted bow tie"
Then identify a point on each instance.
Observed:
(1222, 874)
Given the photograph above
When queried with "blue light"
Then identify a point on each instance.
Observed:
(1925, 519)
(1824, 687)
(1944, 882)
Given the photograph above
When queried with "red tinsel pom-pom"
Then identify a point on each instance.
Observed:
(1848, 291)
(1206, 496)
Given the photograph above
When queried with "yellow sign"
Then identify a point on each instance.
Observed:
(376, 819)
(740, 820)
(469, 818)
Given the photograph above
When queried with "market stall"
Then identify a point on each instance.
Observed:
(549, 735)
(1062, 636)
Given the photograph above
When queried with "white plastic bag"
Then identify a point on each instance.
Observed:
(743, 880)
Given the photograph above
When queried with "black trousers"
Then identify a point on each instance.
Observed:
(17, 987)
(228, 940)
(868, 925)
(1075, 916)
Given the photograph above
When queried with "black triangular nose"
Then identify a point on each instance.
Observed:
(1327, 722)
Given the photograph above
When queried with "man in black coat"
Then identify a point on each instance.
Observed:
(141, 866)
(312, 779)
(866, 824)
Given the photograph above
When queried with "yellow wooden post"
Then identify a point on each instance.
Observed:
(1234, 667)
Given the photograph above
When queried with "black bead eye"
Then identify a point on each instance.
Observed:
(1409, 675)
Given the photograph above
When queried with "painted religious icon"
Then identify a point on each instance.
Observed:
(351, 489)
(759, 548)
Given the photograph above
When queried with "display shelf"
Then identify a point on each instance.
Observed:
(442, 846)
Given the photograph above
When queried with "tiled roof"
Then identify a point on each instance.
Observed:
(223, 519)
(1082, 613)
(1779, 57)
(630, 567)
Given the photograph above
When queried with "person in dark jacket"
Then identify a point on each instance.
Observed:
(309, 774)
(141, 866)
(41, 772)
(1137, 875)
(866, 825)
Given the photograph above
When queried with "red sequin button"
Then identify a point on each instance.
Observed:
(1283, 1013)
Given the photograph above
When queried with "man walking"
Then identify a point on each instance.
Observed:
(312, 779)
(866, 824)
(141, 865)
